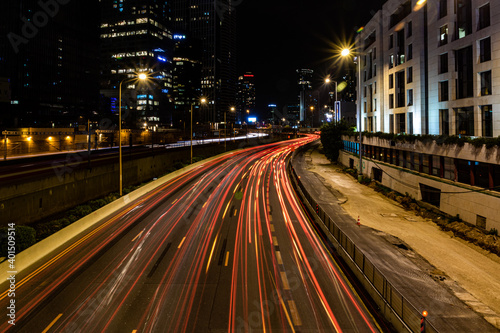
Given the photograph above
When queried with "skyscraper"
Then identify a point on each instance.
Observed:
(186, 78)
(136, 37)
(48, 56)
(213, 22)
(245, 96)
(305, 87)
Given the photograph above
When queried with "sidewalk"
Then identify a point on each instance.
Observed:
(472, 274)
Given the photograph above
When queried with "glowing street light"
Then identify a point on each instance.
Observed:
(141, 77)
(327, 81)
(202, 101)
(345, 53)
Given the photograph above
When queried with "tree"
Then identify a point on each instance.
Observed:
(331, 138)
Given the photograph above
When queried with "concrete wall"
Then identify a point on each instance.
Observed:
(31, 201)
(456, 198)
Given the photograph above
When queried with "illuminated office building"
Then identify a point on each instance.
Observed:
(245, 99)
(48, 62)
(431, 68)
(186, 79)
(214, 23)
(136, 37)
(305, 88)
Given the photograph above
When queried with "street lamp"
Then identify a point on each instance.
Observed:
(345, 53)
(225, 128)
(141, 77)
(202, 101)
(312, 116)
(327, 81)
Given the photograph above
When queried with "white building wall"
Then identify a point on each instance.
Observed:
(381, 23)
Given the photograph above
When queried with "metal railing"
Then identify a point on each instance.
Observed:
(408, 315)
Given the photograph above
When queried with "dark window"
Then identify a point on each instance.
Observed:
(401, 123)
(370, 40)
(443, 91)
(409, 75)
(464, 18)
(391, 81)
(430, 195)
(391, 123)
(443, 35)
(481, 175)
(465, 73)
(374, 53)
(391, 101)
(443, 8)
(400, 13)
(410, 97)
(487, 117)
(484, 17)
(485, 49)
(495, 173)
(485, 83)
(436, 165)
(410, 117)
(448, 168)
(445, 121)
(400, 89)
(400, 47)
(409, 28)
(424, 165)
(377, 174)
(465, 121)
(391, 41)
(409, 56)
(443, 63)
(463, 171)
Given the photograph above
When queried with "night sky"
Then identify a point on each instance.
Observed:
(276, 37)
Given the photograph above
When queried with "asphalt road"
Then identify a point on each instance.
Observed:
(225, 247)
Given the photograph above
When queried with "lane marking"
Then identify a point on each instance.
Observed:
(211, 253)
(52, 323)
(275, 241)
(225, 211)
(137, 236)
(295, 314)
(182, 241)
(286, 286)
(235, 211)
(278, 258)
(134, 331)
(227, 258)
(173, 203)
(270, 218)
(272, 228)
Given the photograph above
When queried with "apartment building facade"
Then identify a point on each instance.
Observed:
(430, 67)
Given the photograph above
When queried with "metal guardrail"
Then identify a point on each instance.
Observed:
(406, 312)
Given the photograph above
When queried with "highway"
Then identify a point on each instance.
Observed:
(225, 247)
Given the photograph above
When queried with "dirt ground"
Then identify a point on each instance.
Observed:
(473, 269)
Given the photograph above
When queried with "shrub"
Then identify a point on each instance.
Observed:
(493, 232)
(24, 237)
(331, 138)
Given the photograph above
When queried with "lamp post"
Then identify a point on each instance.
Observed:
(327, 81)
(312, 116)
(142, 77)
(345, 53)
(203, 101)
(225, 128)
